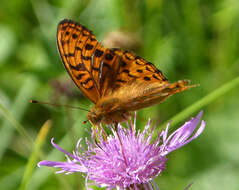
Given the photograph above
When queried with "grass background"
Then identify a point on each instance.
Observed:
(196, 40)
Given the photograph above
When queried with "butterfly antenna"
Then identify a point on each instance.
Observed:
(60, 105)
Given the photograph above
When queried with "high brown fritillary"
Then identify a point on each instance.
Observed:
(116, 81)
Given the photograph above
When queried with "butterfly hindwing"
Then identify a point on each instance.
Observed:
(134, 68)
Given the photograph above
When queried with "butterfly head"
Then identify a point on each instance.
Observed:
(95, 116)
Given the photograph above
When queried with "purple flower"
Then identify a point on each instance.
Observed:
(128, 158)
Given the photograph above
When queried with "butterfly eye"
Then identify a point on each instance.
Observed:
(94, 117)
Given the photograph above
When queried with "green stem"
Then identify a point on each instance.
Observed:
(32, 161)
(203, 102)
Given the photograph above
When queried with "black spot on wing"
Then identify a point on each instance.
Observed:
(149, 69)
(79, 77)
(79, 67)
(78, 48)
(146, 78)
(127, 57)
(121, 81)
(106, 65)
(95, 68)
(122, 63)
(98, 53)
(132, 76)
(138, 63)
(86, 81)
(149, 63)
(69, 55)
(74, 36)
(64, 27)
(86, 57)
(157, 71)
(89, 47)
(155, 77)
(125, 71)
(92, 39)
(109, 56)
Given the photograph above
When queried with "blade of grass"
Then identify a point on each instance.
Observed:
(32, 162)
(17, 111)
(42, 174)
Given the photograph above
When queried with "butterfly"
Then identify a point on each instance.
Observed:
(116, 81)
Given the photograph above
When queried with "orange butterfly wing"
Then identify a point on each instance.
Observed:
(90, 65)
(134, 68)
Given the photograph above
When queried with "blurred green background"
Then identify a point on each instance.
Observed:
(196, 40)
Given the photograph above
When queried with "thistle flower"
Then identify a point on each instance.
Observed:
(127, 159)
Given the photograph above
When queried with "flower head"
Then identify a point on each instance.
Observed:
(127, 158)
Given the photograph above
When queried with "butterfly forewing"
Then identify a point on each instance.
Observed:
(92, 67)
(75, 44)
